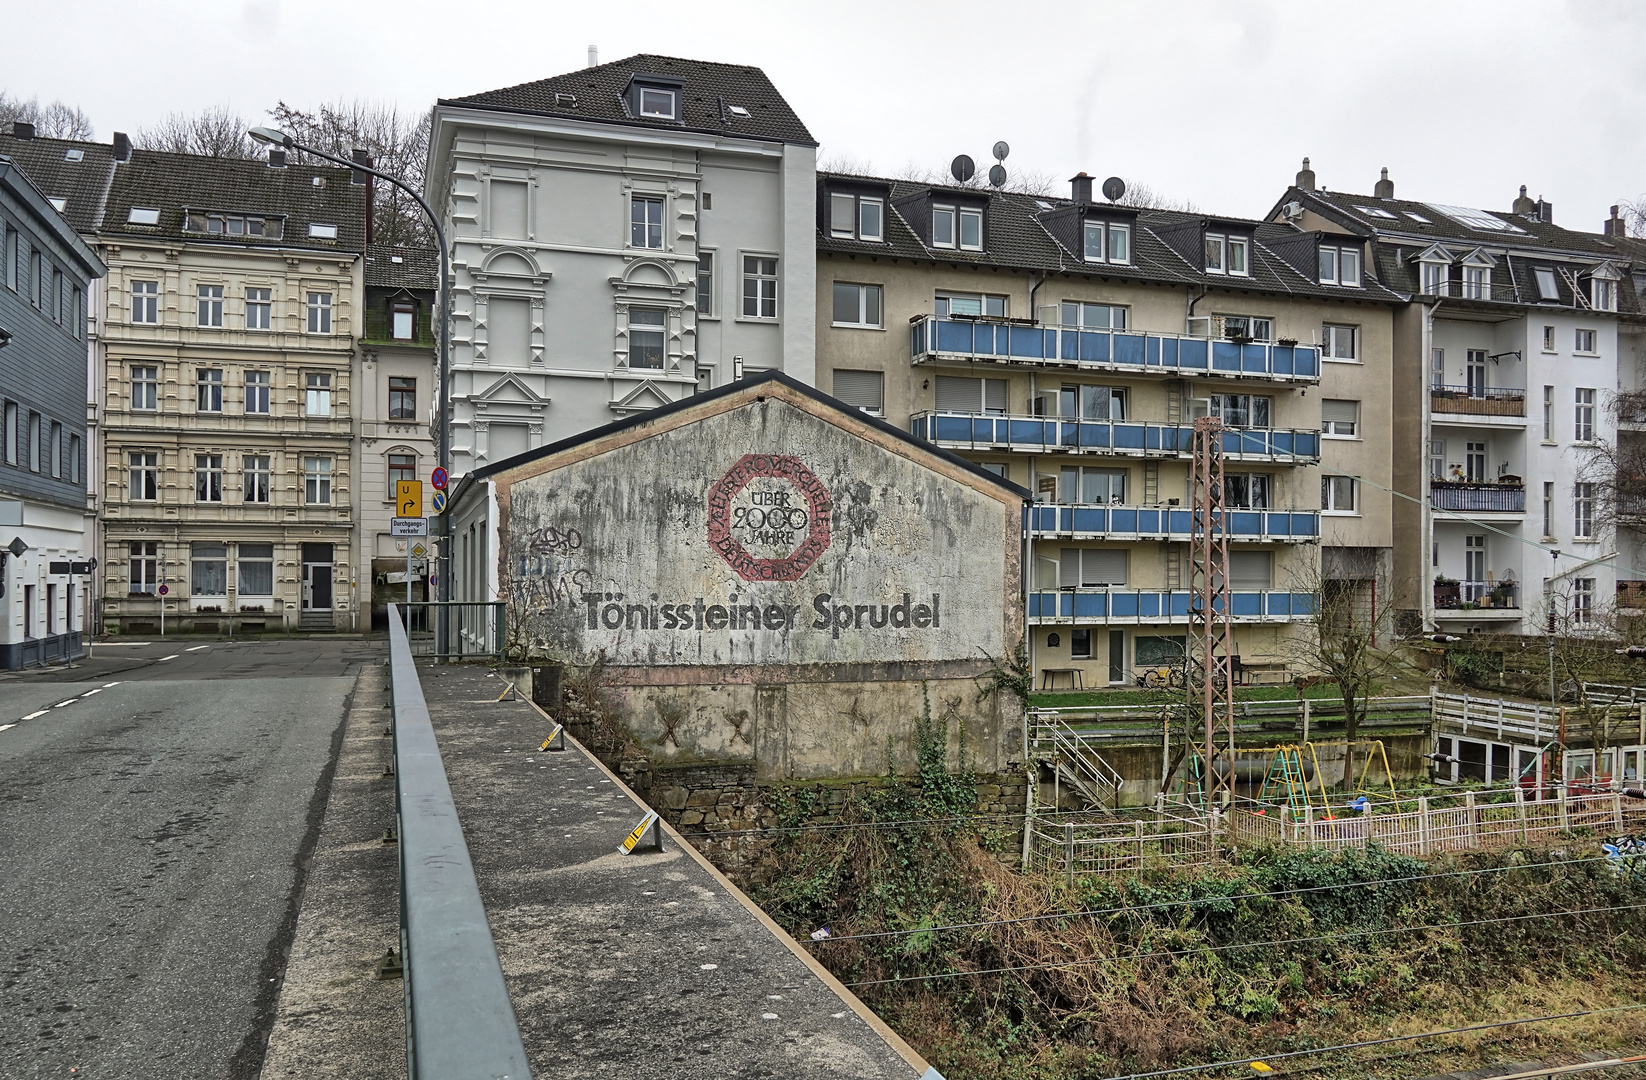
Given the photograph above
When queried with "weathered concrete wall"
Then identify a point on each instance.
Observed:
(772, 581)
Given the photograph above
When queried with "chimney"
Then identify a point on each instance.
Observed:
(277, 157)
(1080, 186)
(1614, 227)
(1523, 205)
(22, 131)
(594, 56)
(1385, 188)
(122, 147)
(1306, 177)
(1545, 211)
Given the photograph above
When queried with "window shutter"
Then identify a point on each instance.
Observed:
(955, 394)
(1068, 569)
(1338, 411)
(1251, 569)
(994, 394)
(859, 389)
(1106, 566)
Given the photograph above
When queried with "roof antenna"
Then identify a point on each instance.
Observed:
(594, 56)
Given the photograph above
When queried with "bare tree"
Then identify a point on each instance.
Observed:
(1351, 637)
(1145, 196)
(54, 121)
(398, 143)
(1020, 183)
(212, 132)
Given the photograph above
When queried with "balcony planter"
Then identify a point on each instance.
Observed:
(1447, 594)
(1288, 342)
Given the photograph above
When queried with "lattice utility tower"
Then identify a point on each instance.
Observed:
(1210, 643)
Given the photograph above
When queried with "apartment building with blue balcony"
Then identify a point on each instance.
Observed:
(1068, 344)
(1508, 364)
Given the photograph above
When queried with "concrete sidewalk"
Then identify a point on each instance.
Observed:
(645, 965)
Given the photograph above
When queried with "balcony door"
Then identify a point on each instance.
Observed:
(1475, 372)
(1474, 559)
(1474, 463)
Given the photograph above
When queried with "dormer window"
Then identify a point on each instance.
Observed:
(1339, 265)
(657, 104)
(857, 217)
(960, 227)
(1108, 242)
(1228, 255)
(1603, 288)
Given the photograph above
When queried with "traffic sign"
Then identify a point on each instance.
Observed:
(418, 551)
(408, 498)
(409, 526)
(437, 502)
(437, 479)
(164, 590)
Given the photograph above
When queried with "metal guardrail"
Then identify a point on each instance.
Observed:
(459, 1019)
(455, 629)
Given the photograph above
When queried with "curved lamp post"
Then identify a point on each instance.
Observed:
(273, 137)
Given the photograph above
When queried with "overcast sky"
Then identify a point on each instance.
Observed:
(1211, 102)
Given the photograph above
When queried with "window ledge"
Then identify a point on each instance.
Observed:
(844, 325)
(1548, 442)
(1341, 438)
(1586, 355)
(771, 320)
(1340, 513)
(1341, 360)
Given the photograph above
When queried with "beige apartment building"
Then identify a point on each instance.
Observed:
(222, 385)
(1069, 344)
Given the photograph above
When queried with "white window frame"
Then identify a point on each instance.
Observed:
(864, 291)
(1583, 602)
(1549, 339)
(1335, 429)
(964, 215)
(1604, 294)
(1243, 246)
(145, 303)
(1219, 403)
(143, 479)
(142, 566)
(706, 275)
(319, 306)
(255, 478)
(658, 330)
(1329, 490)
(652, 230)
(1332, 336)
(209, 306)
(1477, 282)
(259, 308)
(1579, 342)
(208, 390)
(1583, 510)
(317, 393)
(1435, 278)
(1253, 484)
(765, 297)
(1583, 415)
(259, 391)
(317, 481)
(208, 478)
(150, 382)
(673, 96)
(1217, 244)
(1081, 307)
(947, 299)
(953, 239)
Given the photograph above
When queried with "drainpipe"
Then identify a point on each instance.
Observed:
(1426, 521)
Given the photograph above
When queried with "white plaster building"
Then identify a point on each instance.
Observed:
(621, 236)
(1505, 365)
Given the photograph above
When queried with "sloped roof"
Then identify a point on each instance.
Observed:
(1020, 233)
(709, 92)
(390, 266)
(80, 184)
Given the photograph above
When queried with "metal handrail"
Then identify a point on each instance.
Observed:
(472, 628)
(459, 1019)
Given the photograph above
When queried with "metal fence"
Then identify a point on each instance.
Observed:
(454, 629)
(459, 1019)
(1125, 843)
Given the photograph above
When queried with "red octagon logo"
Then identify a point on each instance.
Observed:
(774, 520)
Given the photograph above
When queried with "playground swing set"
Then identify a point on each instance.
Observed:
(1296, 781)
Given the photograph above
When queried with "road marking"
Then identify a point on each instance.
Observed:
(109, 684)
(3, 727)
(173, 656)
(119, 644)
(89, 693)
(60, 704)
(32, 715)
(196, 648)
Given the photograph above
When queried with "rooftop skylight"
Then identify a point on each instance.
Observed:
(738, 110)
(1419, 218)
(143, 215)
(1547, 289)
(59, 205)
(322, 232)
(1478, 220)
(1373, 211)
(76, 154)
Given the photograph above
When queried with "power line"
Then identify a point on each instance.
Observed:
(894, 823)
(1380, 1042)
(1245, 945)
(1096, 912)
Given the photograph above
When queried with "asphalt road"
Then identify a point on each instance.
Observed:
(155, 809)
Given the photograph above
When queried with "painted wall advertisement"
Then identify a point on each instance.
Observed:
(761, 535)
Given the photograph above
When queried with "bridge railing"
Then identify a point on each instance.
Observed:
(459, 1019)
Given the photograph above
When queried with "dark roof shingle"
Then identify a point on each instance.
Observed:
(80, 184)
(389, 266)
(708, 95)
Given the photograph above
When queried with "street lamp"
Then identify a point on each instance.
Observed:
(274, 137)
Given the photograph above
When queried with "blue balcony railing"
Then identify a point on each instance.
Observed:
(1109, 350)
(1162, 606)
(970, 431)
(1149, 522)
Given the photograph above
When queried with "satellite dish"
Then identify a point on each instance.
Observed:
(962, 168)
(1001, 150)
(997, 175)
(1113, 188)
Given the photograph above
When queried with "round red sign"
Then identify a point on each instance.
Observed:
(785, 519)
